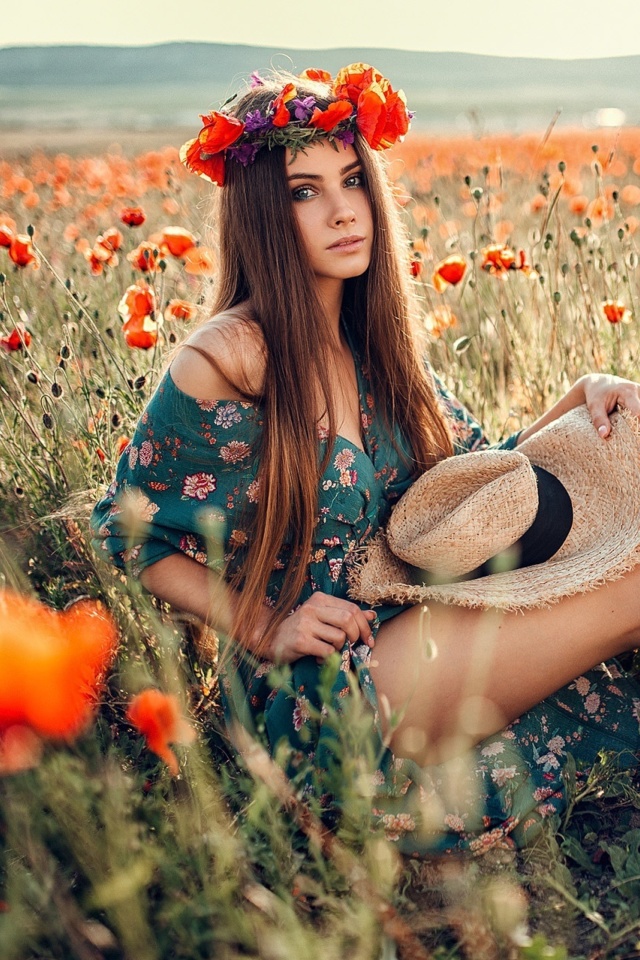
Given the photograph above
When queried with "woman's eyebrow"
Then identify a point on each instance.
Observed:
(317, 176)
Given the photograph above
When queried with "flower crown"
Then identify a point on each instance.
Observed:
(365, 102)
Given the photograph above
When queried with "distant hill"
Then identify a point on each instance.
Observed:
(168, 84)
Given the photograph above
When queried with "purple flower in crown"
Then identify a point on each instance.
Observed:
(254, 121)
(256, 80)
(303, 108)
(346, 137)
(244, 153)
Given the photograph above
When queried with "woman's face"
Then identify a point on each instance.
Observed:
(331, 205)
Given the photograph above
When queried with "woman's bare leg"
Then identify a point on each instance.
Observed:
(451, 676)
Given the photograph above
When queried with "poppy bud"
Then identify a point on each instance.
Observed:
(47, 420)
(30, 229)
(65, 352)
(56, 389)
(139, 382)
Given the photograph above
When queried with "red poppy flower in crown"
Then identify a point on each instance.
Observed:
(365, 101)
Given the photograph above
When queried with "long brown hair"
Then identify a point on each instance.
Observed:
(263, 262)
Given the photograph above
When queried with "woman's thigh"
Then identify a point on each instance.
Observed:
(448, 676)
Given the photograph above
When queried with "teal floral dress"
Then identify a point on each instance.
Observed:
(188, 482)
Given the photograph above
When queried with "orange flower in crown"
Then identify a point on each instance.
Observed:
(381, 112)
(366, 102)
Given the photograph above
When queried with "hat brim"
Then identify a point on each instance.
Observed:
(602, 478)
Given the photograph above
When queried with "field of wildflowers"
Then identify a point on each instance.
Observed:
(127, 828)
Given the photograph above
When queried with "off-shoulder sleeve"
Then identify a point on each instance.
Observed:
(185, 484)
(468, 435)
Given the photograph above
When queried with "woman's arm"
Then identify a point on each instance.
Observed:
(602, 393)
(317, 628)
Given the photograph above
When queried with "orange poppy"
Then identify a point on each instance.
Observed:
(21, 252)
(204, 155)
(180, 310)
(198, 261)
(140, 332)
(212, 168)
(449, 272)
(98, 256)
(139, 300)
(177, 240)
(334, 114)
(17, 339)
(133, 216)
(439, 320)
(498, 259)
(145, 257)
(382, 115)
(616, 311)
(320, 76)
(52, 664)
(156, 716)
(112, 239)
(281, 115)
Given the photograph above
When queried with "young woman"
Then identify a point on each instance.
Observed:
(285, 430)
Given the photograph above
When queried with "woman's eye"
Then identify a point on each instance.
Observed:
(355, 180)
(302, 193)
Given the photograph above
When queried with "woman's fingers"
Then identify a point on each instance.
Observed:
(348, 617)
(603, 394)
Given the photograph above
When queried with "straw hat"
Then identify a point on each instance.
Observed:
(469, 508)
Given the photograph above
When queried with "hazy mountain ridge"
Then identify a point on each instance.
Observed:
(171, 63)
(168, 84)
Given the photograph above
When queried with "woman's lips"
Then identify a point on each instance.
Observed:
(347, 244)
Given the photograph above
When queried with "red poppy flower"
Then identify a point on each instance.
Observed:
(17, 339)
(98, 256)
(139, 300)
(332, 116)
(212, 168)
(382, 116)
(52, 664)
(449, 272)
(111, 239)
(205, 154)
(616, 311)
(177, 240)
(281, 116)
(140, 332)
(180, 310)
(198, 261)
(145, 257)
(133, 216)
(415, 266)
(498, 259)
(156, 716)
(21, 252)
(320, 76)
(220, 131)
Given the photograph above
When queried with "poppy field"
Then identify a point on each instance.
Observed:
(128, 827)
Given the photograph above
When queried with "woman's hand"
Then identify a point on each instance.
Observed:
(603, 393)
(318, 628)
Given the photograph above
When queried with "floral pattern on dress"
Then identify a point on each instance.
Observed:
(190, 475)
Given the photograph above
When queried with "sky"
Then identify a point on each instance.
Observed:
(564, 29)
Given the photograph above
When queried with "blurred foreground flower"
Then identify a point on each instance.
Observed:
(17, 339)
(616, 311)
(449, 272)
(180, 310)
(439, 320)
(22, 253)
(176, 241)
(51, 668)
(497, 259)
(156, 716)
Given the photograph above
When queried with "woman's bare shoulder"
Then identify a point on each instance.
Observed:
(233, 344)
